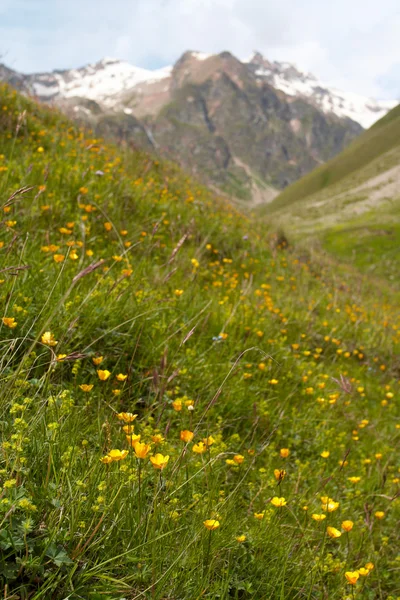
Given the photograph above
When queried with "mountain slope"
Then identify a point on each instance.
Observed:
(138, 306)
(211, 113)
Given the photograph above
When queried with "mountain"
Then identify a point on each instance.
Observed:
(351, 205)
(247, 128)
(286, 77)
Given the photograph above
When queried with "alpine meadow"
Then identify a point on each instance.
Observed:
(192, 405)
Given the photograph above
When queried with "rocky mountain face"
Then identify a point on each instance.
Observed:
(247, 128)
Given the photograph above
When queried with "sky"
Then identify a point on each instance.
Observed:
(352, 44)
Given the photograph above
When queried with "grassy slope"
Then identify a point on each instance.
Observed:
(199, 310)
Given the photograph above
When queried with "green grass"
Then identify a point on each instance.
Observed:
(383, 137)
(205, 324)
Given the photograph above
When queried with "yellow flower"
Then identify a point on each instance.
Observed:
(379, 514)
(121, 377)
(128, 428)
(157, 438)
(86, 387)
(127, 272)
(58, 258)
(178, 293)
(241, 539)
(352, 577)
(364, 572)
(259, 516)
(211, 524)
(275, 501)
(325, 453)
(141, 449)
(195, 262)
(279, 474)
(48, 339)
(238, 459)
(177, 405)
(354, 479)
(118, 454)
(318, 517)
(330, 506)
(347, 525)
(333, 532)
(97, 360)
(199, 448)
(159, 461)
(106, 460)
(107, 226)
(9, 322)
(60, 357)
(208, 441)
(284, 452)
(103, 375)
(132, 439)
(186, 436)
(370, 566)
(127, 417)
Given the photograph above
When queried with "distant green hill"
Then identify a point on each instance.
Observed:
(382, 138)
(350, 206)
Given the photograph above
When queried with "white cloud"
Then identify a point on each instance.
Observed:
(351, 43)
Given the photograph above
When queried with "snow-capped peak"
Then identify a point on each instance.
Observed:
(102, 81)
(288, 78)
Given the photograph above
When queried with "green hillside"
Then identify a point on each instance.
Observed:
(188, 407)
(382, 138)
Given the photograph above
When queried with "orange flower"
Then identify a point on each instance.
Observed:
(238, 459)
(347, 525)
(284, 452)
(279, 474)
(186, 436)
(9, 322)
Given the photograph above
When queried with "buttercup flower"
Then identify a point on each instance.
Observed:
(279, 474)
(318, 517)
(121, 377)
(275, 501)
(347, 525)
(284, 452)
(118, 454)
(86, 387)
(159, 461)
(211, 524)
(352, 577)
(103, 375)
(127, 417)
(186, 436)
(141, 449)
(48, 339)
(9, 322)
(333, 532)
(238, 459)
(241, 539)
(199, 448)
(97, 360)
(379, 514)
